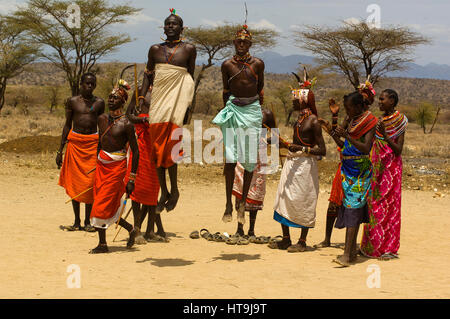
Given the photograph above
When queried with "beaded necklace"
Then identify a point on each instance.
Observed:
(243, 59)
(168, 59)
(356, 123)
(92, 100)
(395, 125)
(304, 114)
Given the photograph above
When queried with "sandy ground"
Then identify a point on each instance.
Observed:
(36, 253)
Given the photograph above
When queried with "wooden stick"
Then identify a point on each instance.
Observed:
(87, 190)
(125, 218)
(136, 84)
(279, 137)
(121, 211)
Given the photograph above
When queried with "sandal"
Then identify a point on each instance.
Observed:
(89, 229)
(204, 233)
(71, 228)
(232, 240)
(195, 234)
(252, 239)
(218, 237)
(262, 240)
(297, 248)
(279, 244)
(242, 241)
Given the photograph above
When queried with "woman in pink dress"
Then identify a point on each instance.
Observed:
(381, 236)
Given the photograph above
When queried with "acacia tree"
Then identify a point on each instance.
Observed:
(15, 53)
(216, 44)
(75, 50)
(356, 49)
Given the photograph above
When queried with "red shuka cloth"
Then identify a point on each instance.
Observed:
(146, 185)
(80, 158)
(162, 144)
(109, 188)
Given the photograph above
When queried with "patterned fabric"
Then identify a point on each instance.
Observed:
(395, 125)
(257, 191)
(356, 172)
(381, 235)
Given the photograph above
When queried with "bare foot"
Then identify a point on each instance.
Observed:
(324, 244)
(227, 215)
(239, 233)
(342, 260)
(140, 240)
(132, 237)
(172, 200)
(100, 249)
(297, 248)
(162, 202)
(282, 244)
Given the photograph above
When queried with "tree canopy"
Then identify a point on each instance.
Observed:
(357, 49)
(74, 49)
(15, 53)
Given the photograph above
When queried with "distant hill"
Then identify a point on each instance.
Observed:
(277, 63)
(411, 90)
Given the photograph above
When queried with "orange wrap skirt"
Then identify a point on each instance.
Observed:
(80, 158)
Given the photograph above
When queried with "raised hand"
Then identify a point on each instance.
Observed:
(381, 128)
(334, 108)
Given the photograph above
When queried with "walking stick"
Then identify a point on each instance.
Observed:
(279, 137)
(87, 190)
(121, 211)
(125, 218)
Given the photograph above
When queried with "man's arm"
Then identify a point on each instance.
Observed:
(131, 113)
(131, 136)
(101, 106)
(65, 132)
(320, 149)
(149, 76)
(226, 87)
(261, 69)
(191, 62)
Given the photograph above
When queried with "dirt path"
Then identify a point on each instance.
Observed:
(36, 253)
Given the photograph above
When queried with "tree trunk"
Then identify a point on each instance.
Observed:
(2, 92)
(435, 120)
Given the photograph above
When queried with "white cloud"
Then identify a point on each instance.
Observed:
(212, 23)
(142, 18)
(264, 24)
(7, 6)
(353, 21)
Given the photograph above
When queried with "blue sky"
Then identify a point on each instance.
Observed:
(427, 17)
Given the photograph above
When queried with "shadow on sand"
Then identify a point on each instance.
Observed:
(169, 262)
(236, 257)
